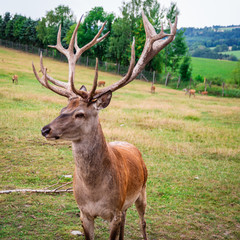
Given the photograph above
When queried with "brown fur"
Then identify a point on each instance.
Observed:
(190, 92)
(15, 79)
(108, 177)
(101, 84)
(152, 89)
(204, 93)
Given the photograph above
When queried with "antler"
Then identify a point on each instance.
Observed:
(63, 88)
(153, 45)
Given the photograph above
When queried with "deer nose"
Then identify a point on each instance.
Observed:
(45, 131)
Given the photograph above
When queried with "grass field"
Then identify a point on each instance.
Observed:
(190, 146)
(211, 68)
(235, 53)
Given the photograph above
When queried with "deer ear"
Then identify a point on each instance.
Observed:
(103, 101)
(83, 88)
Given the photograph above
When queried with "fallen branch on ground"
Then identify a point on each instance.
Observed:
(56, 190)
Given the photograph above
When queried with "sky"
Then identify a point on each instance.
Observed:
(193, 13)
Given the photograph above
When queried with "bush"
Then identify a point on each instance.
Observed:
(216, 90)
(215, 81)
(232, 92)
(185, 68)
(199, 78)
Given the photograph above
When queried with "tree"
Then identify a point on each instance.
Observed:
(119, 41)
(175, 51)
(89, 28)
(185, 70)
(1, 27)
(41, 29)
(48, 26)
(5, 20)
(9, 30)
(18, 22)
(131, 25)
(28, 33)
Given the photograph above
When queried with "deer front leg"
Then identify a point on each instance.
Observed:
(115, 225)
(121, 234)
(88, 226)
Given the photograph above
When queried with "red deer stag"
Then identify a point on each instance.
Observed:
(189, 92)
(153, 88)
(204, 93)
(15, 79)
(108, 177)
(101, 84)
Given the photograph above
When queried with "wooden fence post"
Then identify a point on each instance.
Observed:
(178, 82)
(167, 78)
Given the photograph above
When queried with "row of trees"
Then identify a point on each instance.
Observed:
(213, 36)
(115, 48)
(204, 52)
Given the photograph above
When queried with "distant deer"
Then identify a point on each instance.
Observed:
(204, 93)
(15, 79)
(189, 92)
(101, 84)
(153, 88)
(108, 177)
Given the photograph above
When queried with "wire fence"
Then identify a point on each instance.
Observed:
(90, 62)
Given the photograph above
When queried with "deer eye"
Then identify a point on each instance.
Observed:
(79, 115)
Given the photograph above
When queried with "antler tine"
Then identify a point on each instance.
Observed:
(149, 29)
(55, 89)
(37, 76)
(59, 46)
(68, 89)
(174, 27)
(44, 82)
(153, 44)
(94, 87)
(54, 81)
(95, 40)
(81, 93)
(73, 41)
(124, 80)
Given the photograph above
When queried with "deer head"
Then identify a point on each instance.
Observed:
(83, 106)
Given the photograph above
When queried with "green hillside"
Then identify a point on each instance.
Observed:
(210, 68)
(235, 53)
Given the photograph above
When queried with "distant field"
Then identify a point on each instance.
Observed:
(212, 68)
(235, 53)
(227, 28)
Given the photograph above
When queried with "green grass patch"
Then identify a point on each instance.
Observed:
(234, 53)
(211, 68)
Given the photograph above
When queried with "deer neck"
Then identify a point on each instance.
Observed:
(91, 155)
